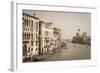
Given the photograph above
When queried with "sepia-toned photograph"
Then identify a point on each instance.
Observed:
(55, 36)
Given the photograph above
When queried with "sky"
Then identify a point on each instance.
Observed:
(68, 22)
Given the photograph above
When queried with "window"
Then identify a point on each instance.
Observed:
(29, 36)
(36, 26)
(32, 36)
(47, 41)
(32, 24)
(25, 22)
(31, 49)
(36, 43)
(25, 36)
(29, 23)
(24, 50)
(32, 43)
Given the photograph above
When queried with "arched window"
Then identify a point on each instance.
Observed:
(32, 43)
(32, 24)
(29, 23)
(28, 35)
(32, 36)
(24, 35)
(25, 22)
(29, 49)
(25, 50)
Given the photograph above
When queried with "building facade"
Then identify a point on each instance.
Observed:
(57, 37)
(46, 35)
(30, 35)
(39, 37)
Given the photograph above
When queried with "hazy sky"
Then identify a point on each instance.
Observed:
(68, 22)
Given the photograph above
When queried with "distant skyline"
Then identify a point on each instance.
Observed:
(68, 22)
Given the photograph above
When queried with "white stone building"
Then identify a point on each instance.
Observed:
(46, 36)
(30, 35)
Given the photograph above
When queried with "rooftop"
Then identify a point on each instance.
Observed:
(31, 16)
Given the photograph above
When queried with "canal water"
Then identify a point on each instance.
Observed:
(73, 51)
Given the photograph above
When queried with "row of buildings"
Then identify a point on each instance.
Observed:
(39, 37)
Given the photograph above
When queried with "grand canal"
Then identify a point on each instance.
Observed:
(72, 51)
